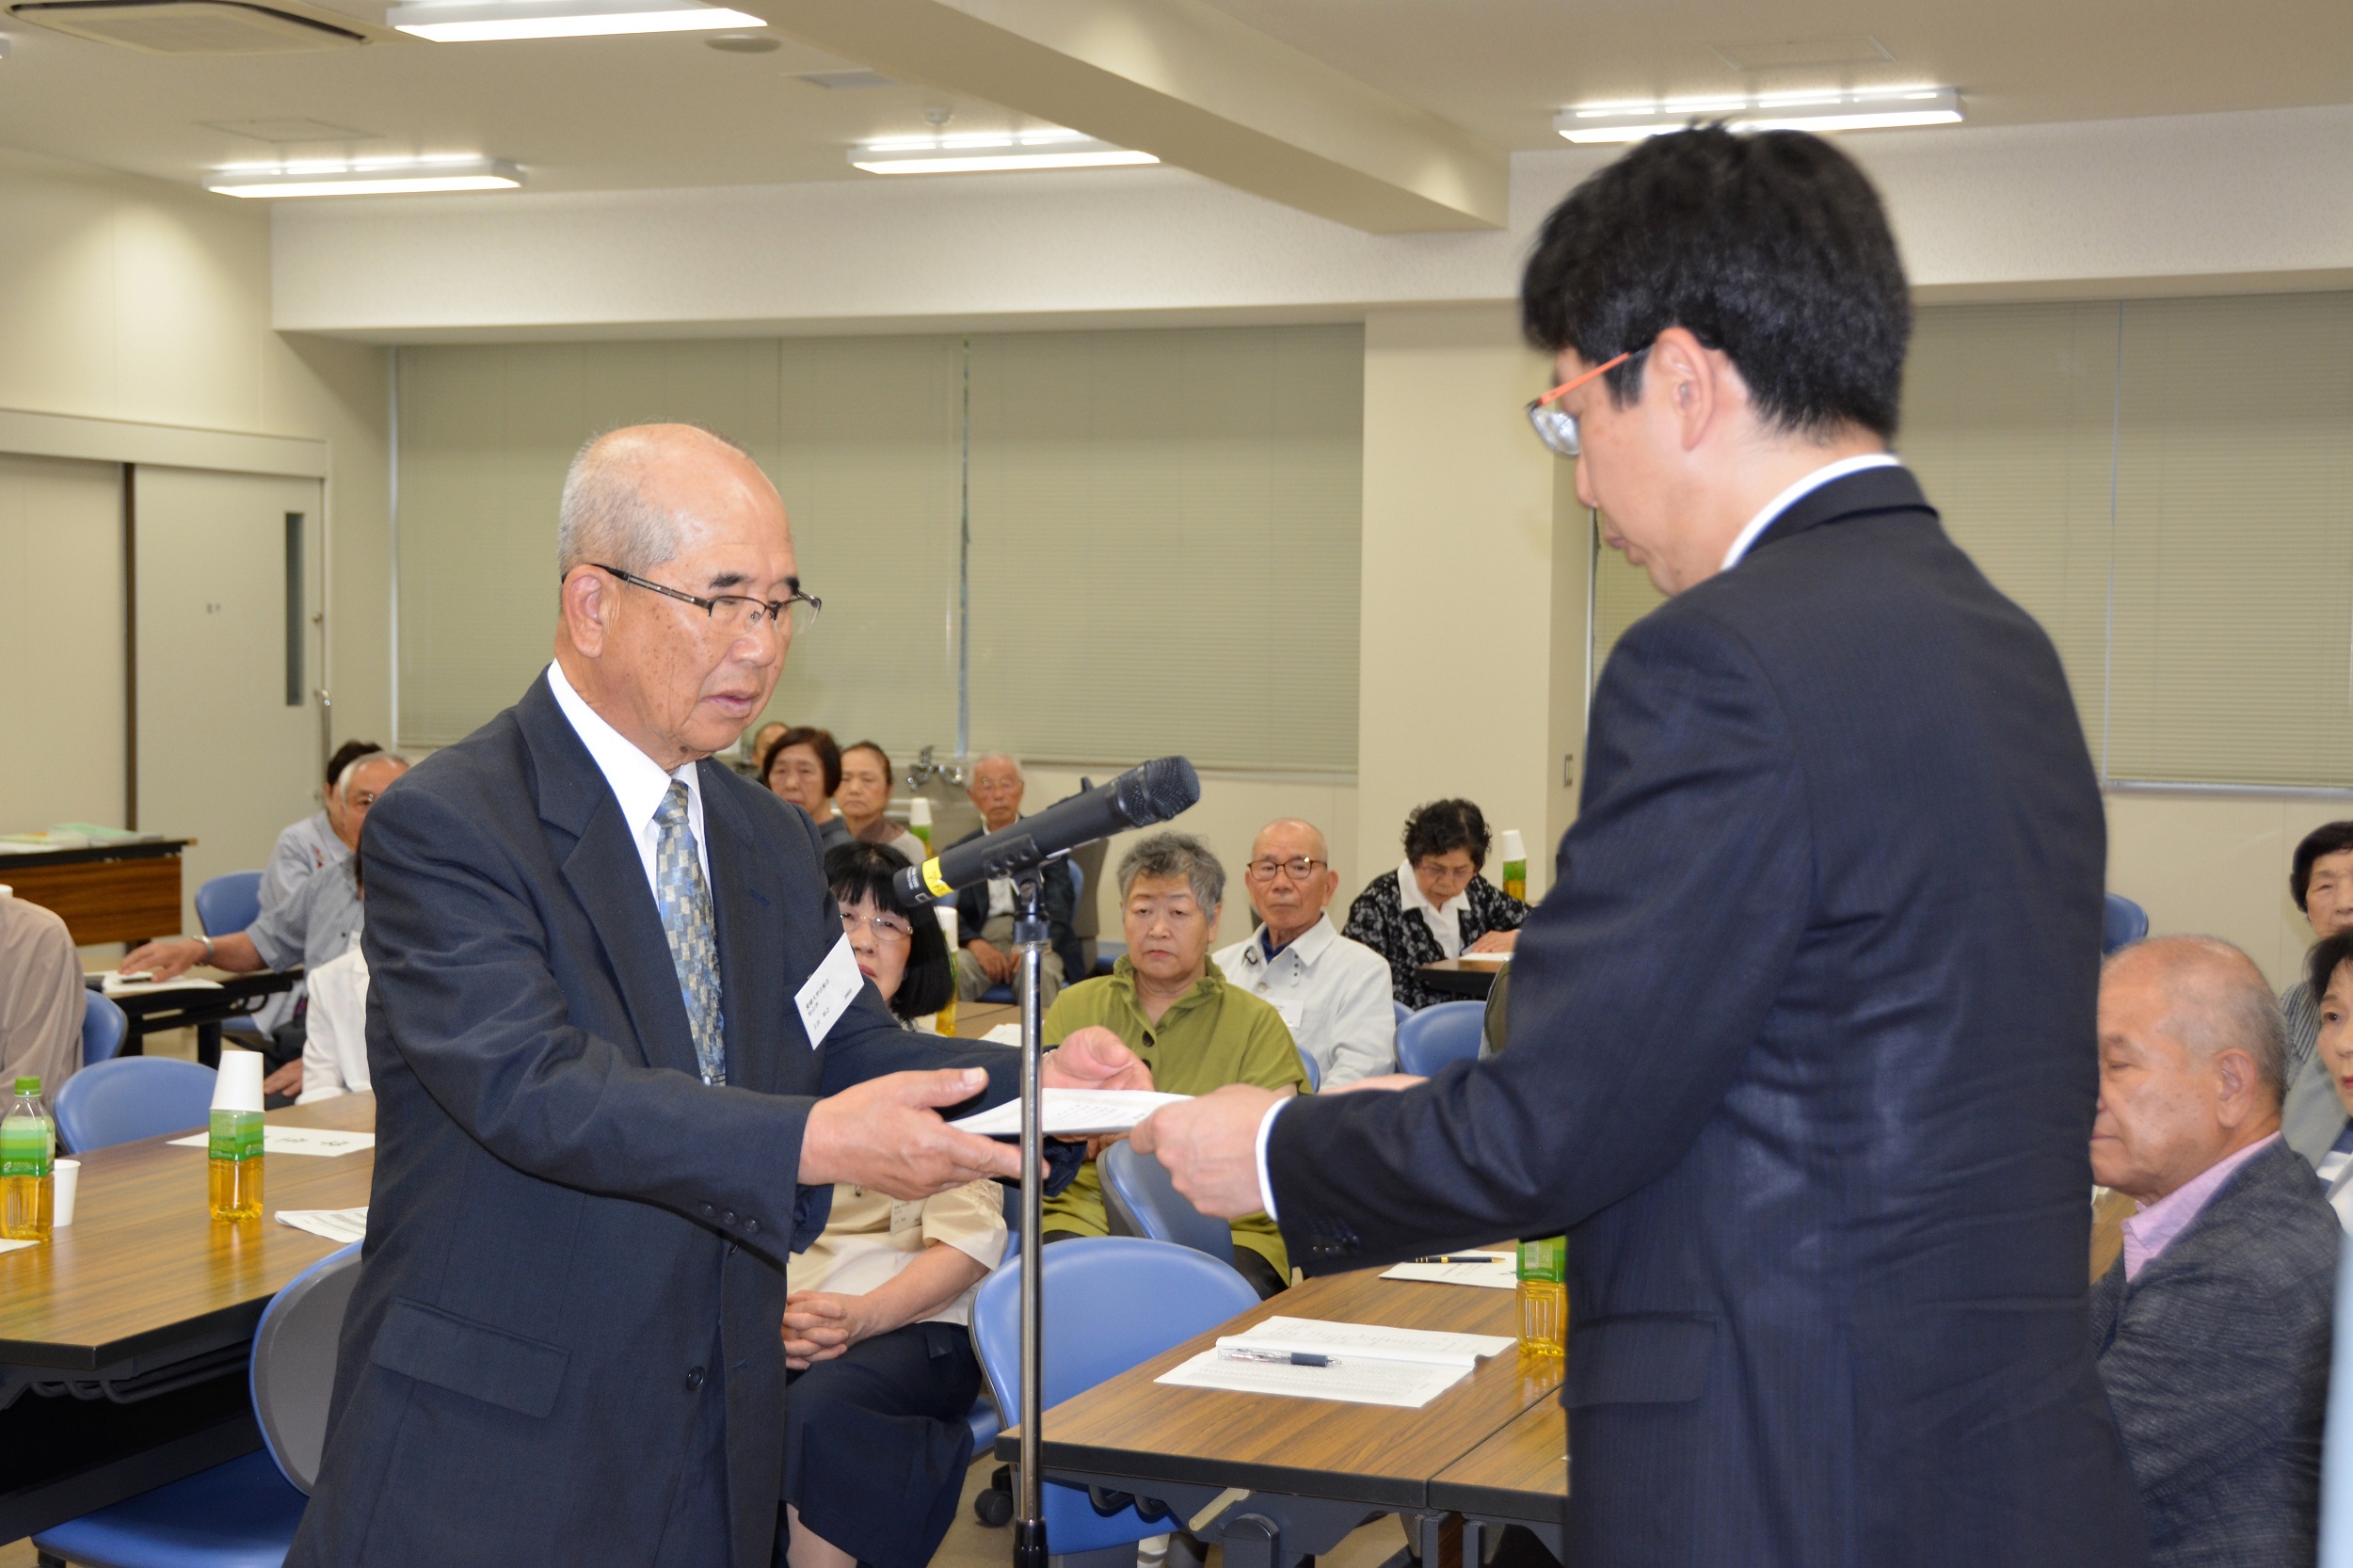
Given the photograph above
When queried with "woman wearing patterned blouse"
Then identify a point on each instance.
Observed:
(1435, 904)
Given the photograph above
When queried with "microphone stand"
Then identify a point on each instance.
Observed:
(1029, 936)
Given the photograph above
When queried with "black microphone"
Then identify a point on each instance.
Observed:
(1146, 793)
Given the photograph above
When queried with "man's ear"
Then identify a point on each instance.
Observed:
(1689, 380)
(586, 600)
(2234, 1074)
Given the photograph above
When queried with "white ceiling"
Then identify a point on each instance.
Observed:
(669, 111)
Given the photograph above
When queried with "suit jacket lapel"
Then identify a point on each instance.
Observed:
(607, 877)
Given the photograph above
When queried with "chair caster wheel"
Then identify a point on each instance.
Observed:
(993, 1509)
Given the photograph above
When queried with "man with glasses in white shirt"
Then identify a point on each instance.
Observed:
(1333, 992)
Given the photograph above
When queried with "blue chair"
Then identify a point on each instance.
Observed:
(132, 1097)
(1111, 1302)
(1403, 1013)
(229, 904)
(1437, 1036)
(102, 1028)
(1315, 1074)
(1139, 1199)
(2125, 923)
(244, 1513)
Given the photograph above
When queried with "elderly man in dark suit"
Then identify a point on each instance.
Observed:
(2213, 1328)
(1800, 1042)
(621, 1056)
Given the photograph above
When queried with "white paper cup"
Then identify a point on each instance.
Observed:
(1514, 847)
(919, 811)
(65, 1177)
(947, 913)
(239, 1085)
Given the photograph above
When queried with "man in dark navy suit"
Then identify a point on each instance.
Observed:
(1800, 1047)
(621, 1055)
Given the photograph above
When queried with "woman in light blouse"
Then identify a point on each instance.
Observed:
(876, 1334)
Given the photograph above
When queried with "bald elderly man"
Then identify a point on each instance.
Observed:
(621, 1055)
(2212, 1329)
(1333, 993)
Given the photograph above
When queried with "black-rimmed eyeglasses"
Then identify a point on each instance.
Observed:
(735, 613)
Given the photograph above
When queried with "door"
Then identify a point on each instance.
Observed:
(229, 596)
(61, 643)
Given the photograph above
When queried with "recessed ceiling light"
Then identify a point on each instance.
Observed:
(744, 43)
(1867, 109)
(365, 177)
(992, 152)
(486, 21)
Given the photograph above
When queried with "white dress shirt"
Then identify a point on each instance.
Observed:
(1445, 920)
(1333, 992)
(638, 781)
(335, 1042)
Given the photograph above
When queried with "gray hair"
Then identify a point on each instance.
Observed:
(342, 779)
(1163, 855)
(2216, 999)
(605, 519)
(1005, 757)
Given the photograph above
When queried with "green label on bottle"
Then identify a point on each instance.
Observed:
(1546, 1260)
(24, 1147)
(236, 1135)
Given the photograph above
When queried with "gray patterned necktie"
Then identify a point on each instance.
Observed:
(678, 876)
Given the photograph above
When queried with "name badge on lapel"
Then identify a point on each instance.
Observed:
(826, 995)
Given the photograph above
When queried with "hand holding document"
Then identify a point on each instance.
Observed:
(1308, 1358)
(1071, 1112)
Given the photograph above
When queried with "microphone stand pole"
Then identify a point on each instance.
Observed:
(1029, 936)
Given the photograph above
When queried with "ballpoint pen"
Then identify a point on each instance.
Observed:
(1280, 1358)
(1464, 1257)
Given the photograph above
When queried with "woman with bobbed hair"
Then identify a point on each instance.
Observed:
(1435, 904)
(877, 1314)
(804, 766)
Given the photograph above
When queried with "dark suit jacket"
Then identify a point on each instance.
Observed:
(1801, 1056)
(565, 1218)
(2215, 1360)
(1056, 893)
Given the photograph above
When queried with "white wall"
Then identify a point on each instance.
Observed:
(2218, 866)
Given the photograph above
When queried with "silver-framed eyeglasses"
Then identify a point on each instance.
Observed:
(1299, 867)
(735, 613)
(1555, 425)
(886, 927)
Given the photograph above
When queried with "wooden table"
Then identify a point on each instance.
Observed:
(124, 1339)
(239, 995)
(1313, 1469)
(119, 892)
(976, 1019)
(1520, 1476)
(1467, 978)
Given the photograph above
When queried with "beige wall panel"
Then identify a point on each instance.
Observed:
(61, 699)
(2218, 866)
(1458, 612)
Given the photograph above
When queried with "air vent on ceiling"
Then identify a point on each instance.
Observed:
(842, 81)
(190, 27)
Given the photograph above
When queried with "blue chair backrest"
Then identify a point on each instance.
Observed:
(294, 1362)
(2125, 923)
(102, 1028)
(1403, 1013)
(227, 904)
(132, 1098)
(1111, 1302)
(1315, 1074)
(1438, 1035)
(1140, 1200)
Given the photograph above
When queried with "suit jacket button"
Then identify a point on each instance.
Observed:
(694, 1380)
(730, 1218)
(751, 1227)
(709, 1210)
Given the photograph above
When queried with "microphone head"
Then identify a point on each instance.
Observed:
(908, 884)
(1159, 790)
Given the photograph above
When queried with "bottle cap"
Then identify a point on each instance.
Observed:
(29, 1084)
(947, 913)
(1514, 847)
(239, 1085)
(919, 811)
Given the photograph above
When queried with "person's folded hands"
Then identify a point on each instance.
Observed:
(819, 1325)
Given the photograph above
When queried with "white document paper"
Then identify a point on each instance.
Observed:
(1404, 1385)
(1071, 1112)
(1360, 1342)
(828, 993)
(113, 984)
(1003, 1034)
(340, 1226)
(295, 1139)
(1496, 1270)
(1503, 958)
(11, 1246)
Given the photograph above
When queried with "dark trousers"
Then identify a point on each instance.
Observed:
(876, 1443)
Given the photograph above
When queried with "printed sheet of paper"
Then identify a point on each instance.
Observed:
(11, 1246)
(1362, 1342)
(1071, 1112)
(295, 1140)
(340, 1226)
(1404, 1385)
(1496, 1270)
(827, 993)
(113, 983)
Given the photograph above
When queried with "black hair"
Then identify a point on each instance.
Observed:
(819, 741)
(1445, 825)
(1771, 247)
(2328, 839)
(857, 871)
(346, 754)
(870, 746)
(2328, 956)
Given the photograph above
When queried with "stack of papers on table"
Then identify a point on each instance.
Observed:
(295, 1140)
(1071, 1112)
(340, 1226)
(1307, 1358)
(1497, 1270)
(116, 984)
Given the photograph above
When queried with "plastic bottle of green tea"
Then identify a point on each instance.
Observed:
(28, 1163)
(1544, 1293)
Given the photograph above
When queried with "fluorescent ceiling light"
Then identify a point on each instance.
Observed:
(482, 21)
(1873, 108)
(365, 177)
(993, 152)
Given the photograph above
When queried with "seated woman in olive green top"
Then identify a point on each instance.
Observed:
(1173, 1008)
